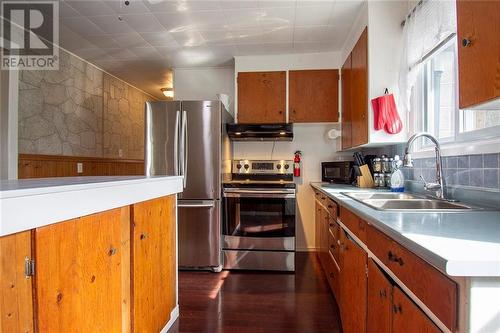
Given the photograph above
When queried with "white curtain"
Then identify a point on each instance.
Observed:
(428, 25)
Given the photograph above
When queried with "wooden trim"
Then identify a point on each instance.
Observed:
(43, 166)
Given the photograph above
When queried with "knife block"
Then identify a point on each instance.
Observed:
(366, 179)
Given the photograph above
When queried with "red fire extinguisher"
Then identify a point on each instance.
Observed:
(296, 163)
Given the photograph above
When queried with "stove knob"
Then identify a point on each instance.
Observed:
(238, 166)
(287, 166)
(278, 166)
(246, 166)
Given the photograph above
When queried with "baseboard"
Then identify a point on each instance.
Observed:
(305, 249)
(173, 317)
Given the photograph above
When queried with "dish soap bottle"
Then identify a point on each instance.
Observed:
(397, 178)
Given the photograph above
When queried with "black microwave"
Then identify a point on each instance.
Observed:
(341, 172)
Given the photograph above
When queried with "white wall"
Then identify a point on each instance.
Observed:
(385, 42)
(312, 140)
(8, 124)
(203, 83)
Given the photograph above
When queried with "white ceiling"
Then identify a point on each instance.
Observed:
(142, 41)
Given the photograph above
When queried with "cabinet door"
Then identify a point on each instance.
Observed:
(317, 224)
(80, 280)
(16, 299)
(261, 97)
(478, 26)
(346, 120)
(359, 91)
(353, 286)
(408, 318)
(154, 287)
(314, 96)
(379, 315)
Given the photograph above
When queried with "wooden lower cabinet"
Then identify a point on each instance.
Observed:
(379, 315)
(16, 299)
(408, 318)
(113, 271)
(353, 286)
(153, 274)
(79, 278)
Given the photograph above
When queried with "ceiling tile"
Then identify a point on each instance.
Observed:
(158, 38)
(313, 15)
(344, 12)
(279, 48)
(94, 54)
(248, 36)
(243, 18)
(72, 41)
(81, 25)
(239, 4)
(66, 10)
(131, 39)
(278, 35)
(203, 20)
(90, 8)
(276, 4)
(134, 7)
(217, 37)
(311, 34)
(110, 24)
(315, 3)
(121, 54)
(188, 38)
(145, 53)
(251, 49)
(277, 17)
(143, 22)
(102, 41)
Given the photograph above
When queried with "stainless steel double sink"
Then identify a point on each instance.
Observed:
(404, 202)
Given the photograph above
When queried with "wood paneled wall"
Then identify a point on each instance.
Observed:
(43, 166)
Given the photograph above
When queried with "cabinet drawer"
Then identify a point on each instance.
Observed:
(353, 223)
(432, 287)
(332, 208)
(334, 227)
(333, 246)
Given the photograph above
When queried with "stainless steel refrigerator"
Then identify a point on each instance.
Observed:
(189, 138)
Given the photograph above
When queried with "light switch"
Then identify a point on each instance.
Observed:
(120, 152)
(79, 167)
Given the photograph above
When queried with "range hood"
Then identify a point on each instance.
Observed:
(260, 132)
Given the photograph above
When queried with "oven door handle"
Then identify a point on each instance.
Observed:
(259, 194)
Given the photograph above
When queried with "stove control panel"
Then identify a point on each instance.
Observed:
(262, 167)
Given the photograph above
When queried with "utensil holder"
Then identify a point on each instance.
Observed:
(366, 179)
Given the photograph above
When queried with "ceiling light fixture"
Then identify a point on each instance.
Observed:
(168, 92)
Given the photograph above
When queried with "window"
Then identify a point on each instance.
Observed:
(435, 102)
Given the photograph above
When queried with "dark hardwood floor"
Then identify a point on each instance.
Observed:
(258, 302)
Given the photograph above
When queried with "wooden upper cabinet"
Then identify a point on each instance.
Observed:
(359, 90)
(16, 299)
(379, 315)
(346, 104)
(261, 97)
(313, 96)
(83, 274)
(408, 318)
(478, 24)
(153, 264)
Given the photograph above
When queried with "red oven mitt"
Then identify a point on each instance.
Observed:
(386, 114)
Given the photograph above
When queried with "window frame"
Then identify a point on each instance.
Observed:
(476, 138)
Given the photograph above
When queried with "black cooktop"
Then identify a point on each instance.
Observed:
(259, 184)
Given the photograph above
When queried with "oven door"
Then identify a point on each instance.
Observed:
(259, 219)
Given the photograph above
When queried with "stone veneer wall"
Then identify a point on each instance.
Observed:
(79, 111)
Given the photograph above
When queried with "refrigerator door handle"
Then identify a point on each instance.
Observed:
(185, 146)
(176, 143)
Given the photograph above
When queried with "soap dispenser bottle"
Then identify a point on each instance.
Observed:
(397, 178)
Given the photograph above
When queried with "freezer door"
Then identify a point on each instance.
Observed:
(201, 149)
(162, 135)
(199, 234)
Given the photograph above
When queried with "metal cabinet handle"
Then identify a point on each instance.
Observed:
(397, 308)
(392, 257)
(466, 42)
(112, 251)
(382, 293)
(143, 236)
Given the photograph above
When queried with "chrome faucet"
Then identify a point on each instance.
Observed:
(437, 186)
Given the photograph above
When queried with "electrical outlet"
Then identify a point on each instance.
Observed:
(79, 167)
(120, 152)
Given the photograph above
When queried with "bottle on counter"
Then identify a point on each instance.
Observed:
(397, 178)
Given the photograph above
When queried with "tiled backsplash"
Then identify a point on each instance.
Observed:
(468, 170)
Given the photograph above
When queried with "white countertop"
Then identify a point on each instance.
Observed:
(32, 203)
(457, 243)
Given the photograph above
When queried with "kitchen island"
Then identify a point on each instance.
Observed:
(88, 254)
(447, 264)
